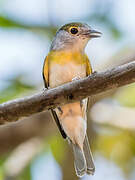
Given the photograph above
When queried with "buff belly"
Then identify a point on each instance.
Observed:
(71, 115)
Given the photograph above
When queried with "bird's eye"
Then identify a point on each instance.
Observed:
(74, 30)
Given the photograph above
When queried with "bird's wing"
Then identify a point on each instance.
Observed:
(45, 73)
(86, 146)
(88, 67)
(88, 72)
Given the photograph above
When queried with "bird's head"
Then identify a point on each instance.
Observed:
(73, 37)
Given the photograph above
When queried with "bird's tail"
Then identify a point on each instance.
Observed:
(83, 159)
(79, 160)
(88, 156)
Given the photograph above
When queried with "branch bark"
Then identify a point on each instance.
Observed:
(67, 93)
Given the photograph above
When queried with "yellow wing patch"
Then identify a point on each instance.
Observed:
(88, 66)
(46, 72)
(88, 72)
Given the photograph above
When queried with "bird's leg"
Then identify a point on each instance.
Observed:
(93, 73)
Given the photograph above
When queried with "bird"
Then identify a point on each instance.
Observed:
(67, 62)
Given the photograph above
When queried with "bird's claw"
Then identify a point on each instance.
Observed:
(95, 72)
(76, 78)
(45, 89)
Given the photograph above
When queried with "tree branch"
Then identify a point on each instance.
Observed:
(70, 92)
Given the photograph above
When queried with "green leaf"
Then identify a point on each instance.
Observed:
(47, 30)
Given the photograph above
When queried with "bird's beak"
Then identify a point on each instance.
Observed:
(94, 34)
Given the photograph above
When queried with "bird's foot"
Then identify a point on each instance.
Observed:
(45, 89)
(95, 72)
(76, 78)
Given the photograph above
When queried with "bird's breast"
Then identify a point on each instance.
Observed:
(60, 74)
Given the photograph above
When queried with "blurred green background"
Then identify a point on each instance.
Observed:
(32, 149)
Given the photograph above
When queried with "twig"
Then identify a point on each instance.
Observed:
(70, 92)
